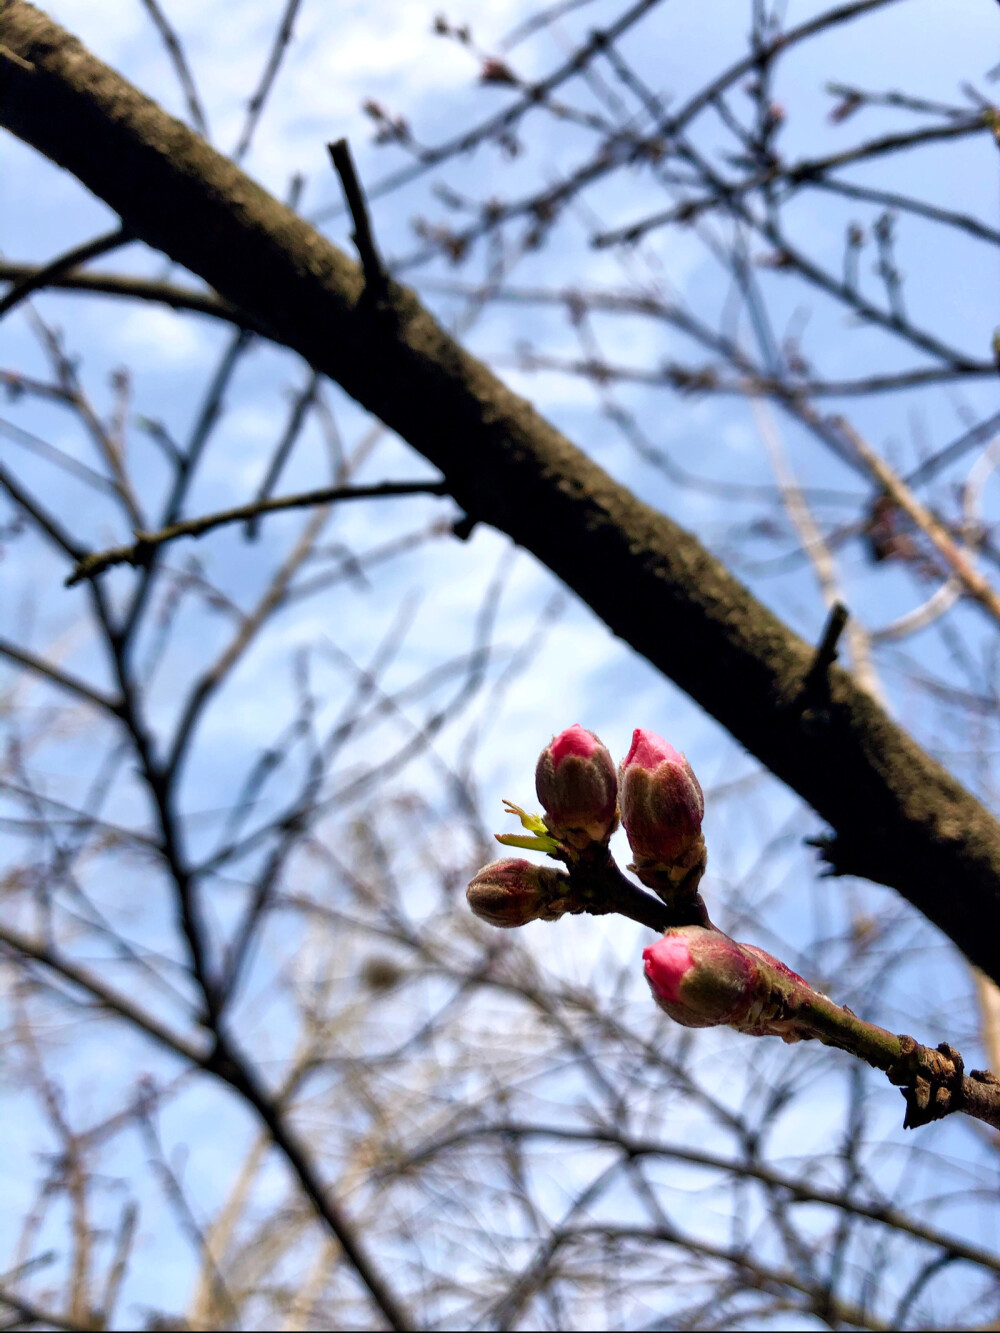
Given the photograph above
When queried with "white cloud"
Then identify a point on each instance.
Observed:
(141, 331)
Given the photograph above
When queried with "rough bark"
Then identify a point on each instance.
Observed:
(897, 816)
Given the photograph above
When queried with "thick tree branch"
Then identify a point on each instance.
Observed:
(897, 816)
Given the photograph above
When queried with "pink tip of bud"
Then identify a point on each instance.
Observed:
(649, 751)
(667, 963)
(574, 740)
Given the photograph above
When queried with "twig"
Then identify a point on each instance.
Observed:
(826, 651)
(45, 450)
(139, 551)
(20, 1271)
(303, 402)
(207, 418)
(976, 434)
(7, 54)
(256, 104)
(960, 221)
(818, 551)
(940, 601)
(224, 1063)
(812, 172)
(115, 284)
(248, 628)
(61, 678)
(706, 379)
(108, 999)
(376, 278)
(49, 273)
(173, 1191)
(52, 528)
(119, 1261)
(804, 1191)
(497, 125)
(176, 53)
(67, 375)
(759, 1273)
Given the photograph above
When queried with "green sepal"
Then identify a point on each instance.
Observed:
(533, 823)
(543, 844)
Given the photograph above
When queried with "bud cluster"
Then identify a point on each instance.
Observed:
(578, 786)
(699, 976)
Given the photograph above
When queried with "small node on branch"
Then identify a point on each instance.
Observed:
(931, 1081)
(376, 278)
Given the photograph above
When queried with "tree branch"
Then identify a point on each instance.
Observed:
(977, 587)
(63, 679)
(899, 817)
(801, 1191)
(115, 284)
(48, 273)
(145, 542)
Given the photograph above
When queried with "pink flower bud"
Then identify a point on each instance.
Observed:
(661, 802)
(702, 979)
(576, 783)
(512, 892)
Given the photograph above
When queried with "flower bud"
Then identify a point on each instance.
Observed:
(576, 783)
(702, 979)
(512, 892)
(662, 804)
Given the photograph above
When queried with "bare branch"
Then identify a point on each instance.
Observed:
(58, 268)
(175, 51)
(139, 551)
(977, 587)
(255, 106)
(61, 678)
